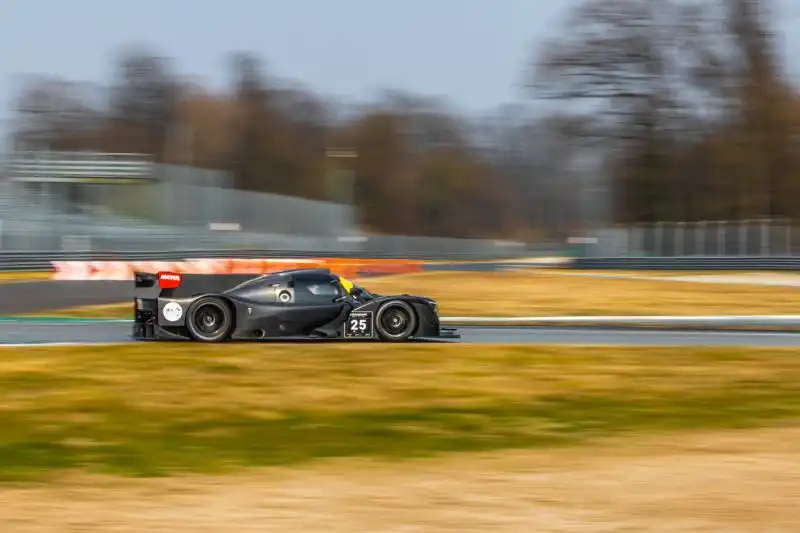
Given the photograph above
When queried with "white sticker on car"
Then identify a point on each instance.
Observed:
(173, 311)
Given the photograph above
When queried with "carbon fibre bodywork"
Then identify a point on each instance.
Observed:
(299, 304)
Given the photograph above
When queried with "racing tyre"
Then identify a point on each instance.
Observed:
(209, 319)
(396, 321)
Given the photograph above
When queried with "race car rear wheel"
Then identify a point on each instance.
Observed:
(396, 321)
(209, 319)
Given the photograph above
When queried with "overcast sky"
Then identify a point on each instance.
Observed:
(471, 51)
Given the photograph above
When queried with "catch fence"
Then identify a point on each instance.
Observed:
(747, 238)
(76, 203)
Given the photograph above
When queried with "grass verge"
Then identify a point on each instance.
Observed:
(155, 410)
(539, 293)
(24, 276)
(684, 273)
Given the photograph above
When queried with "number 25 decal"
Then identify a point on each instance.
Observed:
(358, 324)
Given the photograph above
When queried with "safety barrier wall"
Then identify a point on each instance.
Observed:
(687, 263)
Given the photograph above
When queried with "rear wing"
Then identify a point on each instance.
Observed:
(151, 286)
(146, 286)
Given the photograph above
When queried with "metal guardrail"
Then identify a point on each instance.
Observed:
(688, 263)
(42, 167)
(41, 261)
(748, 238)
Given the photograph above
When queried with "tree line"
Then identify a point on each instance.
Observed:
(653, 111)
(687, 102)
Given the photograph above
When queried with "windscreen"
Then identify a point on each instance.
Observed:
(348, 286)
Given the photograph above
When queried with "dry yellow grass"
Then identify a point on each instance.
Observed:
(24, 276)
(537, 293)
(670, 480)
(542, 293)
(732, 482)
(272, 378)
(681, 273)
(155, 409)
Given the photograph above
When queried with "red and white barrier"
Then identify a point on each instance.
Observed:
(124, 270)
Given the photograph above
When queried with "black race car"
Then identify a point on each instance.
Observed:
(300, 303)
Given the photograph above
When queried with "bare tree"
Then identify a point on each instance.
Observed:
(687, 101)
(144, 102)
(55, 114)
(625, 69)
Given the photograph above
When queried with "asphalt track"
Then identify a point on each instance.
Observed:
(23, 333)
(35, 296)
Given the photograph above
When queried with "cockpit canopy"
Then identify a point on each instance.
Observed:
(308, 285)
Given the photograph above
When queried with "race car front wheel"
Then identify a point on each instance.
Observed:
(396, 321)
(209, 319)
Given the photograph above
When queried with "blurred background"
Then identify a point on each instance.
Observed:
(455, 127)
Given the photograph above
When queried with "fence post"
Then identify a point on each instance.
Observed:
(625, 246)
(700, 235)
(764, 239)
(743, 237)
(638, 240)
(679, 238)
(658, 237)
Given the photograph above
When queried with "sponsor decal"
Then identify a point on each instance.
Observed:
(169, 280)
(172, 311)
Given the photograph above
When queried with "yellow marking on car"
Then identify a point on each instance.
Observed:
(346, 285)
